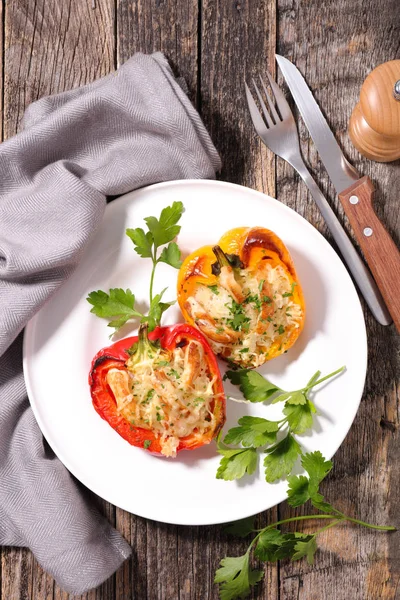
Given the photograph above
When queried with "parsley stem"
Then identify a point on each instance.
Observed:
(364, 524)
(323, 379)
(342, 516)
(313, 379)
(292, 519)
(328, 526)
(154, 258)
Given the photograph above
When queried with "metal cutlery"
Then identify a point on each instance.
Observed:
(355, 193)
(279, 133)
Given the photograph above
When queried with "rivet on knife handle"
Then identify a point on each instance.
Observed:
(379, 249)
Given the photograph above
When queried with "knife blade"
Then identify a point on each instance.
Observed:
(341, 172)
(355, 193)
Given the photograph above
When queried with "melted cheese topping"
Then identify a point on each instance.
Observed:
(170, 397)
(243, 331)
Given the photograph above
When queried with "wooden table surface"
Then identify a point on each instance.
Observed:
(49, 46)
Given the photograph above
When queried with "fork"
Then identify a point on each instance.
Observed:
(279, 134)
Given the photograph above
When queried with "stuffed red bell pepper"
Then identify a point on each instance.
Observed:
(162, 392)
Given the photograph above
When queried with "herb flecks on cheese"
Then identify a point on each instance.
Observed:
(246, 313)
(172, 397)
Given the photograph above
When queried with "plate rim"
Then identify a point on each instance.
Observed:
(29, 330)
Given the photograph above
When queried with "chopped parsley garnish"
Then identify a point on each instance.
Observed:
(267, 300)
(161, 363)
(281, 329)
(243, 350)
(260, 285)
(214, 289)
(239, 322)
(173, 373)
(253, 299)
(146, 444)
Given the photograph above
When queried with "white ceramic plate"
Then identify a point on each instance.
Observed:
(63, 337)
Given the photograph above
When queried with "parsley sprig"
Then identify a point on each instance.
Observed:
(119, 305)
(236, 576)
(256, 434)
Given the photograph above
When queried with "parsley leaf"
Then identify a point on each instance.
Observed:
(268, 543)
(143, 242)
(298, 492)
(307, 548)
(164, 229)
(241, 528)
(299, 416)
(235, 577)
(171, 255)
(302, 488)
(281, 458)
(318, 501)
(118, 305)
(274, 545)
(236, 462)
(253, 386)
(316, 466)
(156, 310)
(253, 431)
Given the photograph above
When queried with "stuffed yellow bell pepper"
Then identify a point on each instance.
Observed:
(244, 296)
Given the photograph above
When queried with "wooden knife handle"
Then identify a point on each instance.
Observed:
(379, 249)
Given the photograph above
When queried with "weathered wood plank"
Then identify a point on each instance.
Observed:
(335, 44)
(158, 25)
(237, 41)
(49, 47)
(52, 46)
(164, 561)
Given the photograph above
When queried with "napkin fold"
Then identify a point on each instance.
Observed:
(132, 128)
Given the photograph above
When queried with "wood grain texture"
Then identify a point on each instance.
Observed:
(215, 44)
(237, 42)
(335, 44)
(51, 47)
(160, 25)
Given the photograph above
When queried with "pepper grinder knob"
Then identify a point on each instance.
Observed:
(396, 90)
(374, 126)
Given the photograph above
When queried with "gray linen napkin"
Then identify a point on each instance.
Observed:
(130, 129)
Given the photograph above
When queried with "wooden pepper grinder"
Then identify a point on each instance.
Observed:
(375, 122)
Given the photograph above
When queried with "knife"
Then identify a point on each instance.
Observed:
(355, 193)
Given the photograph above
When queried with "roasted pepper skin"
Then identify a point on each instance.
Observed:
(115, 357)
(252, 246)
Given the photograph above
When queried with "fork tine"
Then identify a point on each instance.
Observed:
(267, 116)
(281, 101)
(257, 119)
(270, 103)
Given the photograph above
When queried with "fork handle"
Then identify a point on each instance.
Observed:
(357, 268)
